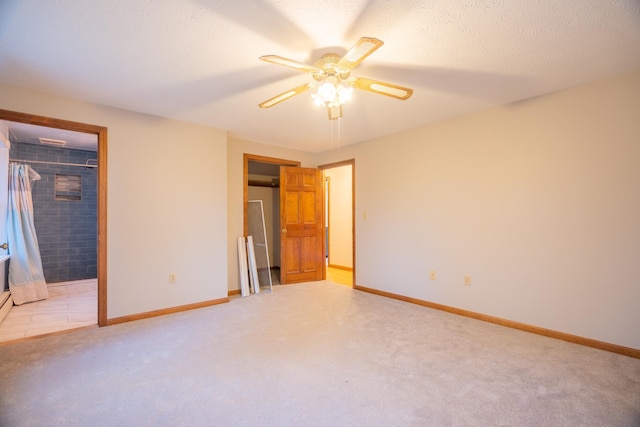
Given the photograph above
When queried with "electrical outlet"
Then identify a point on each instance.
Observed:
(432, 275)
(467, 280)
(172, 278)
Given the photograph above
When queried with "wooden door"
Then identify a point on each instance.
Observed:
(301, 225)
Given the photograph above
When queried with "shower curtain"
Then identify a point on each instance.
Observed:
(26, 276)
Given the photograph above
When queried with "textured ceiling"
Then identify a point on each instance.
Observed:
(198, 61)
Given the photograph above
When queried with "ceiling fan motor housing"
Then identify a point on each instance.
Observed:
(327, 63)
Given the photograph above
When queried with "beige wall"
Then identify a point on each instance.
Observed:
(538, 201)
(166, 181)
(340, 216)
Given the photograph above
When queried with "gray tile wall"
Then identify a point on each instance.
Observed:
(67, 230)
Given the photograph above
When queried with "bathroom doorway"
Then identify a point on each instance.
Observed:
(98, 164)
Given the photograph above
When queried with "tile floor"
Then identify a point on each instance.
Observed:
(70, 305)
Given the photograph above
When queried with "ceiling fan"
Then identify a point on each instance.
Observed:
(332, 78)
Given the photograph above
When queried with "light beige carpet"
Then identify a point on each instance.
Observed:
(314, 354)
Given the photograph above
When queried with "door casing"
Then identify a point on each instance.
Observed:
(101, 133)
(352, 163)
(246, 158)
(283, 162)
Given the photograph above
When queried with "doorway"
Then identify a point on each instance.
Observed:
(261, 181)
(340, 221)
(257, 173)
(101, 196)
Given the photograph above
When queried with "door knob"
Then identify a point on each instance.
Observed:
(4, 246)
(284, 230)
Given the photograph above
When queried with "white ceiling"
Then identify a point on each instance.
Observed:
(197, 60)
(31, 134)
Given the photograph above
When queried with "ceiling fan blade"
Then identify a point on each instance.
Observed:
(301, 66)
(394, 91)
(363, 48)
(284, 96)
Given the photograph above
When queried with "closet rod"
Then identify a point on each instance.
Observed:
(55, 163)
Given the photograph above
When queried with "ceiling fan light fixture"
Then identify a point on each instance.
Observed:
(332, 92)
(327, 91)
(345, 92)
(335, 112)
(333, 85)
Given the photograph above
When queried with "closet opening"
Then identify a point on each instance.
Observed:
(261, 182)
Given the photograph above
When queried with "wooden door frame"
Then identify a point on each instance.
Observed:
(352, 163)
(246, 158)
(101, 133)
